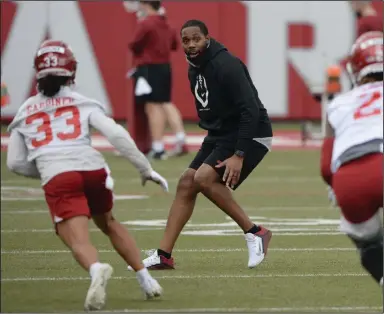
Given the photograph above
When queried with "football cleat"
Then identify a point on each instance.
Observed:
(157, 262)
(150, 286)
(96, 295)
(257, 246)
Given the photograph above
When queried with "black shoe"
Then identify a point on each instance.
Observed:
(157, 155)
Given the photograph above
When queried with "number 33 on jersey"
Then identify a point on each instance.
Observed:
(55, 123)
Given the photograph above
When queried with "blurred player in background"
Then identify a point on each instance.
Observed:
(352, 152)
(50, 140)
(4, 95)
(367, 18)
(151, 46)
(239, 137)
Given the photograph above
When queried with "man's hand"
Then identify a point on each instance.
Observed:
(155, 177)
(233, 166)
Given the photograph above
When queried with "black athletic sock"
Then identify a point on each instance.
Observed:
(371, 256)
(163, 253)
(254, 229)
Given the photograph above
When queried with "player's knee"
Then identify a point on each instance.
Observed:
(186, 183)
(104, 223)
(204, 179)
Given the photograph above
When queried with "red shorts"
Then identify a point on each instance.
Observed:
(358, 186)
(78, 193)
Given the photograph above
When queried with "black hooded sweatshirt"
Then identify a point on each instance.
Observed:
(225, 97)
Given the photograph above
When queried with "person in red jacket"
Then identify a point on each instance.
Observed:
(367, 18)
(151, 46)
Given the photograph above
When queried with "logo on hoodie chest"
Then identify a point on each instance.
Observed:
(201, 92)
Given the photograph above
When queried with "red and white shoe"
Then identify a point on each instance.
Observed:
(257, 246)
(157, 262)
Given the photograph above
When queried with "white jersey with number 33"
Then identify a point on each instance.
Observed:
(356, 117)
(57, 132)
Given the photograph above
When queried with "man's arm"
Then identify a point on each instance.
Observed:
(121, 140)
(140, 38)
(326, 153)
(236, 83)
(17, 157)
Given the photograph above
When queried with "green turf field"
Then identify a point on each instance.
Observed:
(310, 265)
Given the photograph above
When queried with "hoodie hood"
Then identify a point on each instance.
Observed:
(213, 49)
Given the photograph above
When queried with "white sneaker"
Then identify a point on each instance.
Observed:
(148, 284)
(257, 246)
(156, 262)
(96, 295)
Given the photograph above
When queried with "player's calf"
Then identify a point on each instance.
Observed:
(74, 233)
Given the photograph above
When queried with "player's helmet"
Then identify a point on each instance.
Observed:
(366, 56)
(56, 58)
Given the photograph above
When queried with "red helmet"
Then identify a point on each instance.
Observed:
(366, 56)
(55, 57)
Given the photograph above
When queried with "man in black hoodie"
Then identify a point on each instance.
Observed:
(239, 136)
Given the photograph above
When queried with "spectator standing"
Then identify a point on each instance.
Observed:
(151, 46)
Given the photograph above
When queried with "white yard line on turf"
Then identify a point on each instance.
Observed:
(52, 230)
(185, 233)
(252, 310)
(264, 208)
(24, 279)
(223, 250)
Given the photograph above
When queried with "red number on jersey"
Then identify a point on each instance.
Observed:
(74, 121)
(364, 112)
(45, 127)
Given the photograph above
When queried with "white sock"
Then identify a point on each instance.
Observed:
(94, 268)
(142, 274)
(180, 137)
(158, 146)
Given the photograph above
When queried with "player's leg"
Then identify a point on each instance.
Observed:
(173, 114)
(98, 189)
(360, 201)
(209, 180)
(180, 212)
(159, 80)
(125, 245)
(176, 123)
(70, 212)
(157, 122)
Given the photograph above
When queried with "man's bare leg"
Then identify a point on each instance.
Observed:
(209, 182)
(176, 123)
(181, 210)
(257, 237)
(125, 245)
(157, 121)
(121, 240)
(74, 233)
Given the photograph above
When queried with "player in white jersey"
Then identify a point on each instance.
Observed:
(50, 139)
(352, 152)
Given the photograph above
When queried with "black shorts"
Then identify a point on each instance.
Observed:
(159, 78)
(215, 148)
